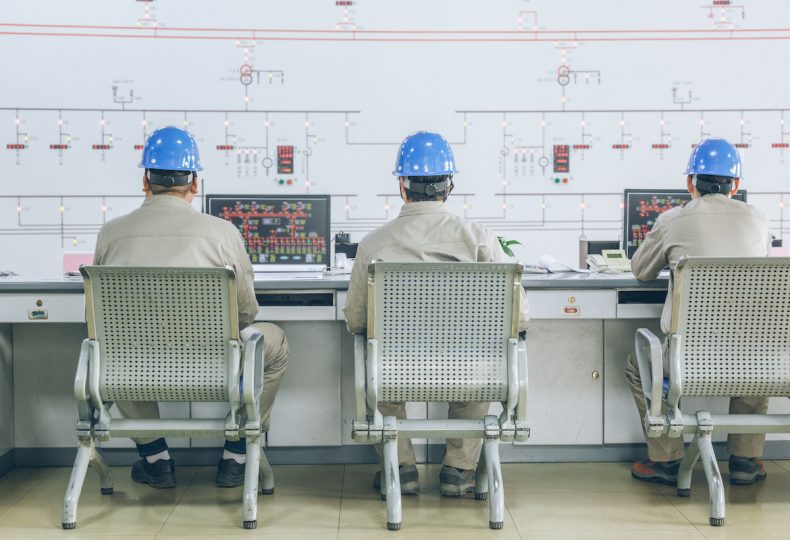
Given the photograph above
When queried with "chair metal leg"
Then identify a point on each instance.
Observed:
(687, 468)
(251, 471)
(105, 474)
(391, 477)
(267, 475)
(74, 487)
(496, 498)
(713, 476)
(481, 478)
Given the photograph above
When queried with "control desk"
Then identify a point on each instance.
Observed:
(581, 330)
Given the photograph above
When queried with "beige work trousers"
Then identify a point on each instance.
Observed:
(275, 346)
(665, 448)
(460, 453)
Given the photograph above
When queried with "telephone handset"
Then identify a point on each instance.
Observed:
(610, 261)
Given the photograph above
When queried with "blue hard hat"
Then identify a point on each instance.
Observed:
(424, 154)
(171, 149)
(716, 157)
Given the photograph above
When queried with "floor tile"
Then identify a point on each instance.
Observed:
(219, 512)
(731, 533)
(756, 507)
(573, 477)
(606, 511)
(116, 515)
(362, 510)
(254, 534)
(405, 534)
(54, 485)
(641, 534)
(19, 481)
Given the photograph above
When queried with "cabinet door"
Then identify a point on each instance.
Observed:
(307, 408)
(565, 395)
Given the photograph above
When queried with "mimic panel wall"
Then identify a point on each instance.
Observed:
(553, 108)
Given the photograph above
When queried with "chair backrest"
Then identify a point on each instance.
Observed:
(442, 329)
(163, 333)
(734, 318)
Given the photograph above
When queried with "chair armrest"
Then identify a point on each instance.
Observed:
(512, 377)
(252, 374)
(675, 374)
(651, 370)
(102, 425)
(372, 381)
(359, 378)
(81, 392)
(523, 379)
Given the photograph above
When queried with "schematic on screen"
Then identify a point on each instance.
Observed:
(278, 230)
(643, 206)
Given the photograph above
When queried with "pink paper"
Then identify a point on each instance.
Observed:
(72, 261)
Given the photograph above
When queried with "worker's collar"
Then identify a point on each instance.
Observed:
(171, 201)
(423, 207)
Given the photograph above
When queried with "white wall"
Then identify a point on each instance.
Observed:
(621, 68)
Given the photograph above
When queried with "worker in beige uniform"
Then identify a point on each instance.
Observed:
(712, 224)
(425, 230)
(167, 231)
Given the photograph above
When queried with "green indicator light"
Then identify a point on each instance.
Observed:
(281, 181)
(556, 180)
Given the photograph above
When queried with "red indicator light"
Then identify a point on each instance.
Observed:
(138, 147)
(101, 146)
(621, 146)
(564, 180)
(780, 145)
(16, 146)
(581, 146)
(58, 146)
(660, 146)
(741, 145)
(225, 147)
(290, 181)
(285, 159)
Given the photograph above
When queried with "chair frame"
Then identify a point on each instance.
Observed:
(372, 427)
(674, 423)
(244, 362)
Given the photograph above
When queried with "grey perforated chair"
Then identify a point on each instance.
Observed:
(442, 332)
(166, 334)
(730, 337)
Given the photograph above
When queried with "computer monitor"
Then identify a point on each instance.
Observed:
(641, 207)
(282, 233)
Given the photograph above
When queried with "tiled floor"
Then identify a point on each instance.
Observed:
(544, 501)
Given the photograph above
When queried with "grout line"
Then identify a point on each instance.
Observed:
(178, 500)
(342, 496)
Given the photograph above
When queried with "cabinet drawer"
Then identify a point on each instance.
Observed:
(572, 304)
(27, 307)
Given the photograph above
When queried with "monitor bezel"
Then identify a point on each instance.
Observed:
(283, 267)
(628, 192)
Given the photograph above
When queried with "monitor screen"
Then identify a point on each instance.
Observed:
(281, 232)
(643, 206)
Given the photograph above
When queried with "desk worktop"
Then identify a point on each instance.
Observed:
(562, 280)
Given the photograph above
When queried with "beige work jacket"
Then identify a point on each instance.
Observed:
(424, 231)
(167, 231)
(709, 226)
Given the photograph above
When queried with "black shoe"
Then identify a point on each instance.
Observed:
(230, 473)
(160, 474)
